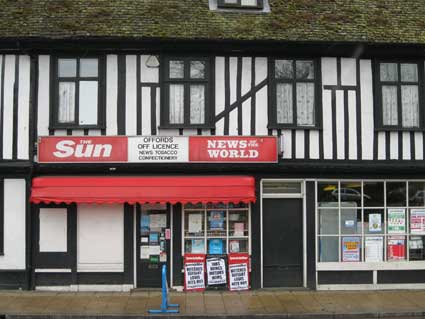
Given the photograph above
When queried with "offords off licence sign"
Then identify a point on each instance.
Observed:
(157, 149)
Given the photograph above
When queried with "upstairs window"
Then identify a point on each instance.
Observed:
(77, 101)
(187, 92)
(244, 4)
(399, 98)
(293, 93)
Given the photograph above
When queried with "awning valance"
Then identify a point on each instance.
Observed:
(157, 189)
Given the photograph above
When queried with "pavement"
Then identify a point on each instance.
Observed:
(264, 304)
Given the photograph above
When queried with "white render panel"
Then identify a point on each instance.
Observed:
(219, 127)
(246, 117)
(9, 82)
(111, 94)
(260, 70)
(261, 119)
(287, 144)
(148, 74)
(146, 110)
(77, 132)
(233, 69)
(53, 230)
(419, 144)
(393, 145)
(190, 132)
(299, 140)
(352, 126)
(381, 145)
(327, 124)
(60, 133)
(366, 100)
(23, 107)
(348, 71)
(329, 76)
(246, 75)
(43, 101)
(95, 132)
(219, 93)
(406, 146)
(131, 95)
(14, 224)
(340, 125)
(100, 238)
(158, 106)
(233, 122)
(314, 144)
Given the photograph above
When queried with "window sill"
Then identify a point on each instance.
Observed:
(293, 127)
(77, 127)
(169, 127)
(399, 129)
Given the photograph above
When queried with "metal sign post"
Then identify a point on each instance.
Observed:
(164, 304)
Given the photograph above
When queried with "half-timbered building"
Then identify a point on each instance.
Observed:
(135, 133)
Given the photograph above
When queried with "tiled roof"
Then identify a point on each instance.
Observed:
(392, 21)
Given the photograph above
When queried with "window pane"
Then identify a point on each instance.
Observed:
(351, 221)
(389, 105)
(416, 248)
(409, 72)
(249, 2)
(67, 67)
(416, 194)
(396, 248)
(216, 223)
(373, 194)
(327, 194)
(197, 69)
(66, 112)
(284, 69)
(305, 103)
(328, 249)
(417, 221)
(230, 1)
(410, 105)
(374, 221)
(194, 223)
(238, 245)
(238, 223)
(374, 249)
(194, 246)
(88, 67)
(328, 221)
(176, 104)
(305, 70)
(396, 194)
(281, 187)
(197, 104)
(284, 103)
(88, 103)
(216, 246)
(351, 194)
(176, 69)
(389, 72)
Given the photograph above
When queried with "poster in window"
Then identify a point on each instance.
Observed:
(417, 221)
(350, 249)
(216, 271)
(195, 223)
(144, 223)
(239, 229)
(375, 223)
(197, 246)
(396, 248)
(234, 246)
(215, 246)
(158, 220)
(396, 221)
(216, 220)
(374, 249)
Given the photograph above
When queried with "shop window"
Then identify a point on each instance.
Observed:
(382, 221)
(398, 94)
(78, 89)
(216, 229)
(187, 86)
(294, 93)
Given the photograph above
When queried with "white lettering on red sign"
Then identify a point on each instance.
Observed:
(69, 148)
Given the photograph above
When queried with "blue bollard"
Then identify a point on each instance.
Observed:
(164, 304)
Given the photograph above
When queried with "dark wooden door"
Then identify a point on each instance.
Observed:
(155, 237)
(282, 243)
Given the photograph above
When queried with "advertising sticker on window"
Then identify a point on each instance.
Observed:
(396, 248)
(350, 249)
(396, 221)
(417, 221)
(374, 249)
(375, 223)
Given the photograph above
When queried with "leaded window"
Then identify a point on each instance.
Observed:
(244, 4)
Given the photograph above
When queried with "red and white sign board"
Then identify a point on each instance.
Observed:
(157, 149)
(238, 272)
(194, 272)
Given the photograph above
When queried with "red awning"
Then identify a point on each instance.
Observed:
(111, 190)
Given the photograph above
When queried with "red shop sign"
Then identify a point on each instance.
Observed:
(194, 272)
(82, 149)
(238, 271)
(233, 149)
